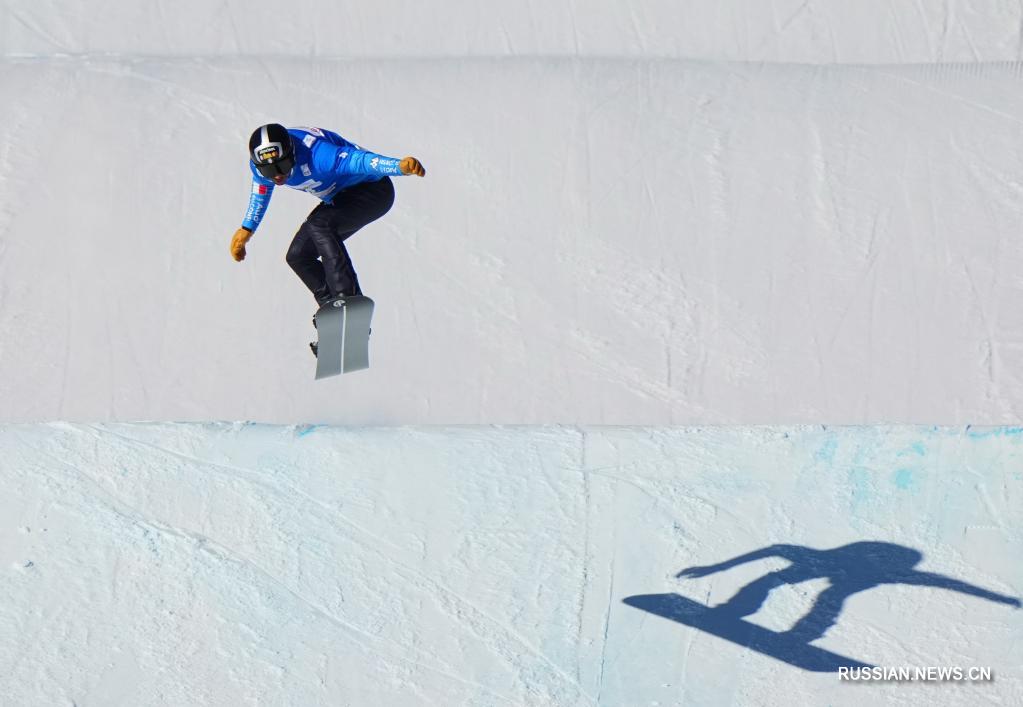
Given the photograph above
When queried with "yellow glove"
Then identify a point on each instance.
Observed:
(241, 237)
(410, 165)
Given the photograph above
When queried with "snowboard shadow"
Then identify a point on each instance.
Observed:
(850, 569)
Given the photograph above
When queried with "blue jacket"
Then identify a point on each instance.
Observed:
(325, 163)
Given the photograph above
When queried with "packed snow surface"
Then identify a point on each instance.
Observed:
(160, 564)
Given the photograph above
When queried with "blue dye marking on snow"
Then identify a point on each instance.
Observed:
(859, 478)
(917, 449)
(827, 452)
(904, 479)
(306, 430)
(996, 432)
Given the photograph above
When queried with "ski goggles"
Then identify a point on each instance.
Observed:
(278, 168)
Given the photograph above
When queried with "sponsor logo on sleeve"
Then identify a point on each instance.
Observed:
(308, 140)
(374, 162)
(305, 170)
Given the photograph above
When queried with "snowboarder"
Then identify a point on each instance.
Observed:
(353, 185)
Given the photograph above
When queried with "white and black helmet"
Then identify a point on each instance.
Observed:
(272, 151)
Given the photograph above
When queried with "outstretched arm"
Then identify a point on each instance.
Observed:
(930, 579)
(259, 199)
(786, 551)
(366, 162)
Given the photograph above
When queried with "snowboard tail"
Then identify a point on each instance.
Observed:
(342, 327)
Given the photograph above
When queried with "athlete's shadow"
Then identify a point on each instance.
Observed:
(850, 569)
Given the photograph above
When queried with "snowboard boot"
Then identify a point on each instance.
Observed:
(313, 345)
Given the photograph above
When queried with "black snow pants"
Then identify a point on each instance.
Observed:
(317, 253)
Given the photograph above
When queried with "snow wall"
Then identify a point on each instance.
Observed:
(598, 241)
(792, 31)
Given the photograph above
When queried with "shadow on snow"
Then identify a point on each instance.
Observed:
(850, 569)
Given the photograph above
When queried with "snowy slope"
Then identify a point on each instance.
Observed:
(640, 214)
(245, 564)
(638, 242)
(799, 31)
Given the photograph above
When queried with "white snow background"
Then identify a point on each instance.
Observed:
(606, 235)
(660, 251)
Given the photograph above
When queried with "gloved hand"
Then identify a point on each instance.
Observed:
(410, 165)
(241, 237)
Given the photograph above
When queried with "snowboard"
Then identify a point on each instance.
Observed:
(342, 329)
